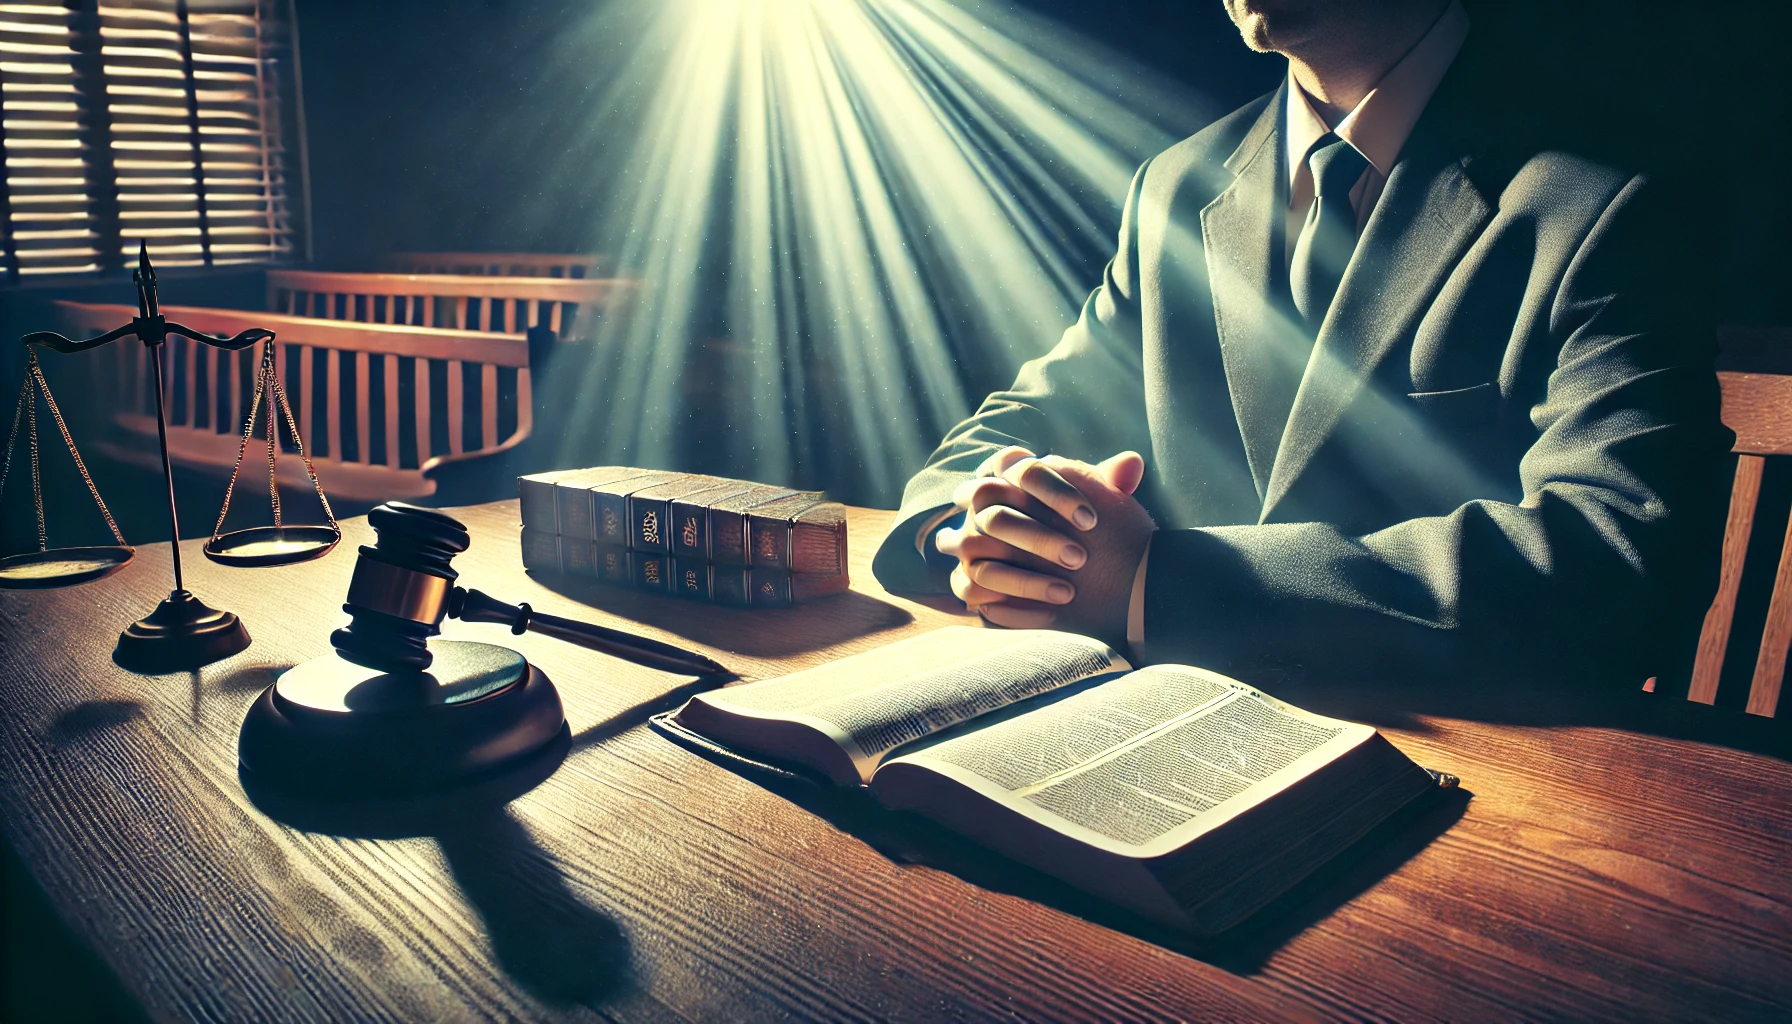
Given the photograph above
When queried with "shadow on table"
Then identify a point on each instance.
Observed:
(908, 838)
(759, 633)
(1405, 705)
(555, 945)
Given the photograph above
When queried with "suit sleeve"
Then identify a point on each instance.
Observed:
(1083, 399)
(1619, 522)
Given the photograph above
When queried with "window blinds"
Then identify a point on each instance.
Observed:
(159, 120)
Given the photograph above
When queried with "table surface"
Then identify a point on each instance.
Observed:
(1608, 856)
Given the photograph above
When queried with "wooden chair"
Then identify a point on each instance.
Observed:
(500, 264)
(378, 405)
(1758, 407)
(461, 302)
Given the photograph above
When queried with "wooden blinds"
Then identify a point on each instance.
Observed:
(159, 120)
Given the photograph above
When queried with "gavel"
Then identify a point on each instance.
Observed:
(386, 714)
(404, 585)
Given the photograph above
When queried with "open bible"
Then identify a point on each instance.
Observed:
(1181, 794)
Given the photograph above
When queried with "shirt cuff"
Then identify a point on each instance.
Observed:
(932, 523)
(1135, 609)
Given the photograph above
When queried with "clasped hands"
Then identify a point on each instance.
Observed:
(1050, 542)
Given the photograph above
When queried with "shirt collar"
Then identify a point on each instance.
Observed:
(1383, 119)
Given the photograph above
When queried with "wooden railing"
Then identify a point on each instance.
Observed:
(462, 302)
(379, 405)
(499, 264)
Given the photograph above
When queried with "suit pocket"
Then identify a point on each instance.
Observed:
(1463, 406)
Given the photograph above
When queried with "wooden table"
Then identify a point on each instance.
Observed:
(1614, 858)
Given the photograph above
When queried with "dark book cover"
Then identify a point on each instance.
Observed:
(650, 511)
(536, 498)
(690, 578)
(609, 504)
(541, 550)
(818, 540)
(728, 523)
(650, 571)
(775, 588)
(690, 518)
(578, 558)
(769, 530)
(611, 562)
(572, 505)
(731, 585)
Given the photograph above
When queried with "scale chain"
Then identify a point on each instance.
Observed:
(292, 427)
(243, 449)
(87, 478)
(268, 382)
(27, 410)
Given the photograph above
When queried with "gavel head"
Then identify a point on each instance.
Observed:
(401, 588)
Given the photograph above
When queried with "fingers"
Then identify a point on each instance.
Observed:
(1123, 472)
(980, 492)
(1043, 482)
(1011, 612)
(1028, 534)
(1013, 581)
(998, 463)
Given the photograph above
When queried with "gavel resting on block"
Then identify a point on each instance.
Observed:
(392, 712)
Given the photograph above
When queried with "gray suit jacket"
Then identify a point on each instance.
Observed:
(1505, 454)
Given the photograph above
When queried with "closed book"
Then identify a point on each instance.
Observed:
(731, 585)
(728, 523)
(649, 570)
(541, 550)
(690, 518)
(609, 504)
(776, 588)
(818, 540)
(536, 497)
(578, 558)
(650, 511)
(769, 530)
(610, 562)
(572, 499)
(691, 579)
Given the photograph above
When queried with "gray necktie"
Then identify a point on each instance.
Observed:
(1329, 235)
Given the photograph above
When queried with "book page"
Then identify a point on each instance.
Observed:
(1140, 757)
(872, 703)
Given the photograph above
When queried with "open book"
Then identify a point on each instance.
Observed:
(1183, 795)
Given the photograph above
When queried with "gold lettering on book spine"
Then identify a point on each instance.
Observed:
(651, 569)
(768, 546)
(689, 533)
(611, 527)
(650, 527)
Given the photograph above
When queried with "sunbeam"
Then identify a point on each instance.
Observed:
(853, 218)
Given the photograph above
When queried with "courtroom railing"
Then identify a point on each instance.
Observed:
(461, 302)
(379, 405)
(501, 264)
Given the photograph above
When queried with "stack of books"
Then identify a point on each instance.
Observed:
(708, 538)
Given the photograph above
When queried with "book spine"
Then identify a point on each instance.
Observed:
(818, 540)
(541, 551)
(536, 496)
(610, 563)
(650, 571)
(690, 522)
(691, 579)
(769, 534)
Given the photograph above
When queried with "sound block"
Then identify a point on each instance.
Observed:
(332, 727)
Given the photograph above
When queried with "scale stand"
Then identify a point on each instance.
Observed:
(182, 632)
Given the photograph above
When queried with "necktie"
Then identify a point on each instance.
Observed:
(1329, 235)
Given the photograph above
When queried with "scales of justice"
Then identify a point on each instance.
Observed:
(182, 632)
(388, 710)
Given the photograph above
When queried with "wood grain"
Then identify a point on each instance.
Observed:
(1714, 636)
(202, 447)
(1614, 862)
(1758, 407)
(365, 292)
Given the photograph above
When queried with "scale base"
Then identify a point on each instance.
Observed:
(182, 633)
(330, 727)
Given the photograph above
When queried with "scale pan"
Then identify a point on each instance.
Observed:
(271, 545)
(61, 567)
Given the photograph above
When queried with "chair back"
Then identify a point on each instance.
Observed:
(378, 405)
(497, 264)
(461, 302)
(1758, 407)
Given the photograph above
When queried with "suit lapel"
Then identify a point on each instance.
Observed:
(1240, 258)
(1428, 214)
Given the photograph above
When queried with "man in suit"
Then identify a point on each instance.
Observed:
(1379, 381)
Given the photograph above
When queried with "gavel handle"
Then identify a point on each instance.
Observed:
(474, 606)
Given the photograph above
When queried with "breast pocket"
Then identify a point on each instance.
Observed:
(1462, 407)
